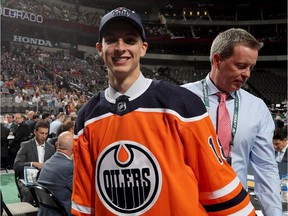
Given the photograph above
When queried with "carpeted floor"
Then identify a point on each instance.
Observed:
(8, 187)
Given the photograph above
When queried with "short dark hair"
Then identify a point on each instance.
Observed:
(280, 133)
(279, 123)
(41, 124)
(65, 127)
(45, 115)
(36, 116)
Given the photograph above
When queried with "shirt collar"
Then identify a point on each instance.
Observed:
(37, 144)
(137, 88)
(284, 149)
(212, 89)
(65, 155)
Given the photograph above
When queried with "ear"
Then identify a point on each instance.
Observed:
(216, 60)
(144, 49)
(99, 48)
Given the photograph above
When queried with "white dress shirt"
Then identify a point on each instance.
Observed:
(40, 151)
(281, 153)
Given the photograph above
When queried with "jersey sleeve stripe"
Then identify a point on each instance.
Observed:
(228, 204)
(98, 118)
(248, 210)
(76, 136)
(221, 192)
(82, 209)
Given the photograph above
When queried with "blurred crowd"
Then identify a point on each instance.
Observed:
(40, 78)
(35, 76)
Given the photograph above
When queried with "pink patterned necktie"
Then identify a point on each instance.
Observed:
(224, 124)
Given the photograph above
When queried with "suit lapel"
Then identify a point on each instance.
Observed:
(34, 148)
(284, 159)
(47, 152)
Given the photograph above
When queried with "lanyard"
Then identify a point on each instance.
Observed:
(236, 108)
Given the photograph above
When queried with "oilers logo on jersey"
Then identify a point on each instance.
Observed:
(128, 178)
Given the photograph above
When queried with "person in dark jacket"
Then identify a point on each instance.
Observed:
(22, 134)
(57, 174)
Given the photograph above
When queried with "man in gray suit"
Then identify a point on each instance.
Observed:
(32, 153)
(57, 173)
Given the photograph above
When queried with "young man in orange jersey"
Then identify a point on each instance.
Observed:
(147, 147)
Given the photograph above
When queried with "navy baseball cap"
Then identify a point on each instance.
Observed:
(122, 13)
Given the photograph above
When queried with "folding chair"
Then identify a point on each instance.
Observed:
(19, 208)
(17, 178)
(44, 197)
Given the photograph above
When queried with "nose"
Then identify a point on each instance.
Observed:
(120, 45)
(246, 73)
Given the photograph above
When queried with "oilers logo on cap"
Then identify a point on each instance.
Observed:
(128, 178)
(121, 12)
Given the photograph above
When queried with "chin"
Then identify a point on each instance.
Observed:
(236, 87)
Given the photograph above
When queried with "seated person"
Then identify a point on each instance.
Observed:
(33, 153)
(22, 134)
(280, 146)
(4, 146)
(68, 125)
(57, 173)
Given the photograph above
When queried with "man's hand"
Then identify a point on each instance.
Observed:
(37, 165)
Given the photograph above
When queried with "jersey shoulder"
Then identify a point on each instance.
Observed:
(177, 98)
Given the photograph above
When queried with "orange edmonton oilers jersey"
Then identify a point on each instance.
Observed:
(156, 154)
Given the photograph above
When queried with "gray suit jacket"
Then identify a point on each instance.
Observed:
(282, 166)
(28, 153)
(284, 159)
(57, 175)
